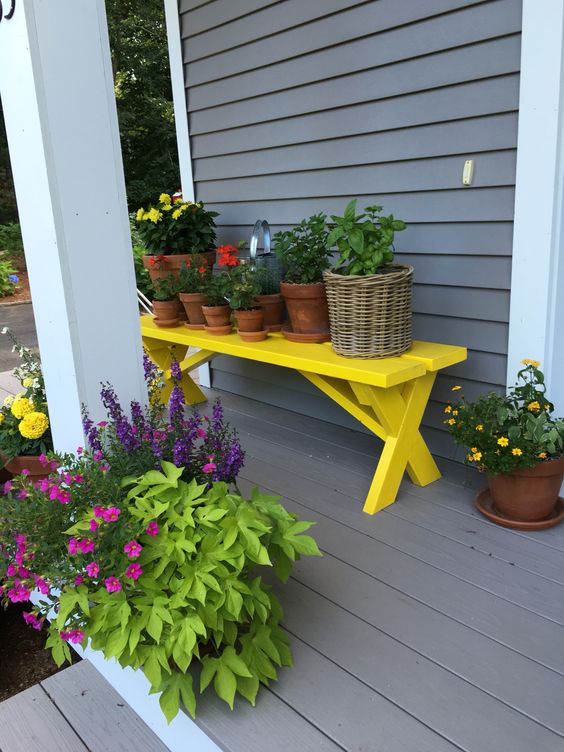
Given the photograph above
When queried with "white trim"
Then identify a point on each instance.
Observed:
(172, 14)
(537, 282)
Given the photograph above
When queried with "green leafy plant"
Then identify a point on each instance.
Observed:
(194, 275)
(216, 288)
(505, 432)
(303, 250)
(176, 227)
(365, 241)
(8, 278)
(11, 244)
(142, 278)
(166, 288)
(243, 288)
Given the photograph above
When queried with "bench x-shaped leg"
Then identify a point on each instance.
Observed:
(394, 414)
(162, 353)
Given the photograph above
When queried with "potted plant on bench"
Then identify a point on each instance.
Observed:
(516, 441)
(193, 280)
(269, 298)
(243, 289)
(165, 301)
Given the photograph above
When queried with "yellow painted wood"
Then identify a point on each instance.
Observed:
(388, 396)
(162, 354)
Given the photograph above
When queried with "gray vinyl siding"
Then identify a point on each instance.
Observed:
(296, 106)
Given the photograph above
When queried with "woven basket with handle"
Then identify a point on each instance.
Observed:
(371, 315)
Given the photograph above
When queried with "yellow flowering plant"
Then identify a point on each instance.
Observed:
(24, 420)
(506, 432)
(171, 227)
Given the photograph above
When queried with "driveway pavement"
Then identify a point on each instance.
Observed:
(19, 318)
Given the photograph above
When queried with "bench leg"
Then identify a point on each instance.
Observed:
(162, 354)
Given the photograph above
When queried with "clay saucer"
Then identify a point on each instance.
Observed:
(218, 330)
(165, 323)
(484, 504)
(254, 336)
(274, 327)
(315, 338)
(200, 327)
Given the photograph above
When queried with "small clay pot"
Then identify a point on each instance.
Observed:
(250, 321)
(180, 312)
(219, 330)
(253, 336)
(166, 311)
(307, 307)
(217, 315)
(160, 266)
(37, 471)
(530, 494)
(192, 303)
(273, 309)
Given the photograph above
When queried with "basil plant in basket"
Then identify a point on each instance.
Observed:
(369, 297)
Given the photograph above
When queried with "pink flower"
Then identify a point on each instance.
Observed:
(8, 486)
(41, 585)
(97, 456)
(201, 433)
(134, 571)
(21, 542)
(86, 545)
(92, 569)
(79, 450)
(111, 514)
(23, 572)
(32, 620)
(93, 525)
(99, 511)
(22, 494)
(78, 580)
(209, 467)
(53, 465)
(113, 585)
(54, 492)
(18, 594)
(44, 484)
(64, 497)
(19, 557)
(132, 549)
(104, 468)
(12, 570)
(25, 472)
(103, 423)
(44, 460)
(152, 529)
(75, 636)
(72, 546)
(78, 478)
(67, 477)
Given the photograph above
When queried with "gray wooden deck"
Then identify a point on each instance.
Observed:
(422, 629)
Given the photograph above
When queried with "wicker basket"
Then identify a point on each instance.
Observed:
(370, 315)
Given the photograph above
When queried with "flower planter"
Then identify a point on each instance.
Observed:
(273, 309)
(307, 307)
(165, 265)
(250, 325)
(37, 471)
(193, 302)
(528, 495)
(371, 314)
(218, 319)
(166, 313)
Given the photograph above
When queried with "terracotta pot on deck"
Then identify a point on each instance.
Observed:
(37, 471)
(273, 309)
(307, 307)
(528, 495)
(218, 319)
(250, 325)
(166, 312)
(193, 302)
(160, 266)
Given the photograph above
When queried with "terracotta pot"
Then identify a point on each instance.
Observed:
(37, 471)
(160, 266)
(273, 309)
(180, 312)
(253, 336)
(530, 494)
(166, 312)
(307, 307)
(217, 316)
(192, 303)
(250, 321)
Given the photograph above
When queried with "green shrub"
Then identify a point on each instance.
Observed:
(11, 244)
(8, 278)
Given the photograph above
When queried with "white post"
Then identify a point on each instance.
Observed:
(536, 328)
(58, 99)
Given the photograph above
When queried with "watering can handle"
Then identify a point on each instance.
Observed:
(260, 224)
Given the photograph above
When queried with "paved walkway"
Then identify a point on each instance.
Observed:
(19, 318)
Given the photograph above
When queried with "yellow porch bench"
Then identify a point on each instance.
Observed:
(388, 396)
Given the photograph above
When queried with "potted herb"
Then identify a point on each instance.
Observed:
(173, 231)
(517, 442)
(243, 289)
(269, 298)
(304, 255)
(193, 280)
(24, 419)
(217, 311)
(165, 300)
(369, 297)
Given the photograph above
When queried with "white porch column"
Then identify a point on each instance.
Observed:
(536, 327)
(57, 95)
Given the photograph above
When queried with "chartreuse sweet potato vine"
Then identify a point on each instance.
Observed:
(191, 601)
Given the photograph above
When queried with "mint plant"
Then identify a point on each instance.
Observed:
(303, 250)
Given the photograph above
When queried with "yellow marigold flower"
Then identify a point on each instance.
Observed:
(33, 425)
(448, 409)
(542, 456)
(140, 216)
(479, 427)
(155, 215)
(531, 362)
(21, 406)
(477, 456)
(177, 213)
(456, 388)
(516, 451)
(1, 418)
(8, 400)
(469, 458)
(164, 198)
(455, 412)
(534, 407)
(167, 207)
(27, 382)
(474, 450)
(503, 441)
(451, 421)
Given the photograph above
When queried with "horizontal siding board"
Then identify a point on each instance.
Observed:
(486, 204)
(466, 302)
(465, 271)
(496, 57)
(487, 336)
(474, 99)
(491, 133)
(441, 173)
(197, 16)
(259, 74)
(462, 238)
